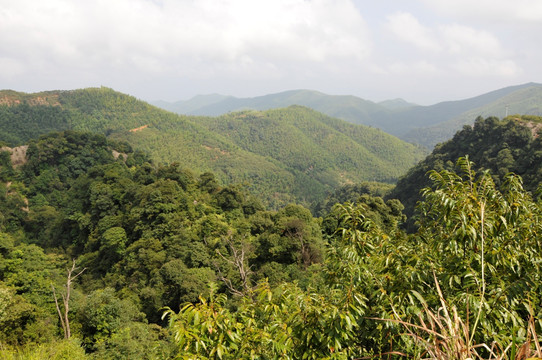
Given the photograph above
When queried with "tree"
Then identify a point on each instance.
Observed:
(237, 258)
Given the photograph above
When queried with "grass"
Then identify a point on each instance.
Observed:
(443, 335)
(58, 350)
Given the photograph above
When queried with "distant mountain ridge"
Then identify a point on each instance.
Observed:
(347, 106)
(425, 125)
(522, 101)
(396, 104)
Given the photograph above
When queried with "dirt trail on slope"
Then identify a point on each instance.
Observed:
(139, 128)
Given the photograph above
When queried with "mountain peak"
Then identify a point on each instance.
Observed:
(396, 104)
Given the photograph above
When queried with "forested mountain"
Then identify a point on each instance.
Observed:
(510, 145)
(523, 100)
(315, 148)
(301, 155)
(105, 255)
(425, 125)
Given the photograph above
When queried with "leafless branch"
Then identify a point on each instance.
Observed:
(237, 260)
(64, 320)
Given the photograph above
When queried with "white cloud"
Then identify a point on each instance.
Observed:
(175, 49)
(10, 68)
(461, 40)
(418, 68)
(480, 67)
(407, 28)
(453, 48)
(182, 36)
(495, 10)
(451, 38)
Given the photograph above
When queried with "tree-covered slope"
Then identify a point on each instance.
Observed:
(301, 155)
(322, 153)
(25, 116)
(501, 146)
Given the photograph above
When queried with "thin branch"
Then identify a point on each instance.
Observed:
(59, 312)
(237, 260)
(64, 320)
(482, 220)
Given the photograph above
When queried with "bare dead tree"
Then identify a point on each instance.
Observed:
(64, 320)
(237, 259)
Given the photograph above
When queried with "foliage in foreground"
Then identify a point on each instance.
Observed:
(467, 281)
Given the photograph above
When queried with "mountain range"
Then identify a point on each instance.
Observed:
(424, 125)
(284, 155)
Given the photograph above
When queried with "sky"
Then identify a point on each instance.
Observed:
(424, 51)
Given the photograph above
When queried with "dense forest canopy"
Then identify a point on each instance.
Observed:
(148, 236)
(165, 262)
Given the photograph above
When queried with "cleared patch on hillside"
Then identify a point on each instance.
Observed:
(10, 100)
(223, 152)
(535, 128)
(116, 155)
(18, 154)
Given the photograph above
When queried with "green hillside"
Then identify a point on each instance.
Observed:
(501, 146)
(283, 155)
(321, 152)
(25, 116)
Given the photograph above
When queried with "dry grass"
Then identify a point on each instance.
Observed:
(443, 335)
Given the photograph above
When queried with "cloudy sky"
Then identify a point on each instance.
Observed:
(424, 51)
